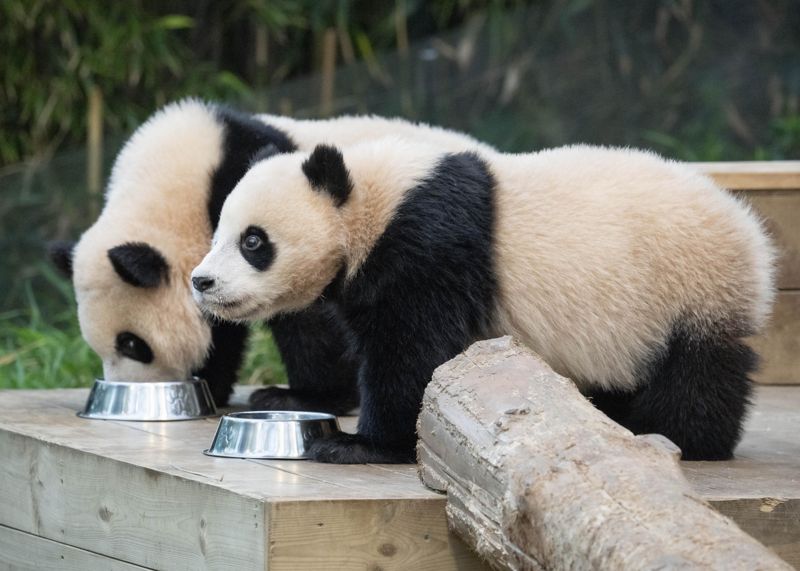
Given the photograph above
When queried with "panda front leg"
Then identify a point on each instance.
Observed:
(320, 364)
(390, 401)
(401, 344)
(224, 358)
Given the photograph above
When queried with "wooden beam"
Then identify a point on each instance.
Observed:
(366, 534)
(20, 551)
(780, 210)
(753, 175)
(537, 478)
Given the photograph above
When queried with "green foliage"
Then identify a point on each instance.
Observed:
(262, 362)
(41, 350)
(692, 80)
(139, 54)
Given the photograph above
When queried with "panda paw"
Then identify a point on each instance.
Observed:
(356, 449)
(277, 398)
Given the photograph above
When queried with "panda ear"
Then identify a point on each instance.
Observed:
(326, 171)
(139, 264)
(60, 253)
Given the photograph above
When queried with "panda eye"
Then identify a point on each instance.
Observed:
(252, 242)
(133, 347)
(257, 248)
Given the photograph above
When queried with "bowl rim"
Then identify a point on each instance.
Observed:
(247, 416)
(191, 381)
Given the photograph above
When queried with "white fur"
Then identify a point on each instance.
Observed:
(158, 194)
(599, 252)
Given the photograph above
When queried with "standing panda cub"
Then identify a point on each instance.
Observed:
(634, 276)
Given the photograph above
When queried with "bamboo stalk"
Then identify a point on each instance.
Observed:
(94, 129)
(328, 71)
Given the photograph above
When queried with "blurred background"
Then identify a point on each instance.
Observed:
(693, 80)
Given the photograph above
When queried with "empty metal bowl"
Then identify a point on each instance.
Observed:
(167, 400)
(270, 435)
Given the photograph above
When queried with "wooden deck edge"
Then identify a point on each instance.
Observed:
(126, 512)
(775, 522)
(365, 534)
(23, 551)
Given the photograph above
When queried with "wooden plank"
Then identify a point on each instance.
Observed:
(760, 488)
(781, 212)
(156, 487)
(779, 345)
(146, 517)
(773, 521)
(143, 492)
(20, 551)
(753, 175)
(369, 534)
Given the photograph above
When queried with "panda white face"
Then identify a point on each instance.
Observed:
(134, 312)
(279, 243)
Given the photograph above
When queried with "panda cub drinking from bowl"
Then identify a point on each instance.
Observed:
(634, 276)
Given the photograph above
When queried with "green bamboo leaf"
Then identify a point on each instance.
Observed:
(174, 22)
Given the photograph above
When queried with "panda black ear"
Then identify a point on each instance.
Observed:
(326, 171)
(139, 264)
(60, 253)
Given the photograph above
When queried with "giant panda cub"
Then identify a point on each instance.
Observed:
(632, 275)
(131, 268)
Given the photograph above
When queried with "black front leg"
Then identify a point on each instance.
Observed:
(224, 359)
(320, 364)
(398, 364)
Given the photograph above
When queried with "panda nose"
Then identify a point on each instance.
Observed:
(202, 283)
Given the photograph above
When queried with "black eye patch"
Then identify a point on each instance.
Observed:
(256, 248)
(134, 347)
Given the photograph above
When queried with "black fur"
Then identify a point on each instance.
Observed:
(321, 371)
(245, 138)
(224, 359)
(139, 264)
(425, 292)
(264, 153)
(695, 393)
(312, 348)
(60, 253)
(326, 171)
(260, 258)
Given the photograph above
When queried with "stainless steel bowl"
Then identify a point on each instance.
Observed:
(168, 400)
(270, 435)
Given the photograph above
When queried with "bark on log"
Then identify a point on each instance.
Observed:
(537, 478)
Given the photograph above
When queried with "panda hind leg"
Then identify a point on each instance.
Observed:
(696, 393)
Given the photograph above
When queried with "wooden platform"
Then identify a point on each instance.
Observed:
(78, 494)
(773, 189)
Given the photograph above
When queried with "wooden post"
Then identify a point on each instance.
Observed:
(261, 62)
(328, 71)
(537, 478)
(94, 159)
(404, 73)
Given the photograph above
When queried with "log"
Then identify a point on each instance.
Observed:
(537, 478)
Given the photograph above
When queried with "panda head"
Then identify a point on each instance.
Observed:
(281, 237)
(133, 309)
(130, 269)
